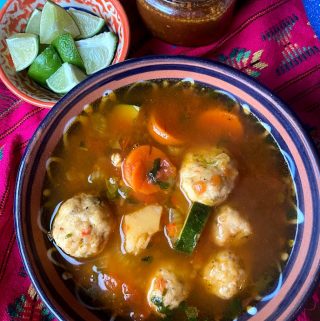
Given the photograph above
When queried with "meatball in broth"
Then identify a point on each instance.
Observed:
(166, 292)
(224, 275)
(82, 226)
(208, 176)
(229, 227)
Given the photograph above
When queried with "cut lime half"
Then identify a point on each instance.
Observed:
(54, 22)
(33, 25)
(65, 78)
(97, 52)
(88, 24)
(23, 48)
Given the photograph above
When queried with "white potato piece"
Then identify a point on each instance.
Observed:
(116, 159)
(166, 292)
(82, 226)
(138, 228)
(229, 227)
(208, 176)
(224, 275)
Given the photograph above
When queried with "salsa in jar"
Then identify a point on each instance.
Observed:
(187, 22)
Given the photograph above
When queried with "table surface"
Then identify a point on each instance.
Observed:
(270, 40)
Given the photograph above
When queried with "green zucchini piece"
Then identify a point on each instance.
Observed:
(192, 228)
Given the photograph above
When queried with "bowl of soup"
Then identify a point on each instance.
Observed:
(170, 188)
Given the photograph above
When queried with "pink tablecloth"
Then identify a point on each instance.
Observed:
(270, 40)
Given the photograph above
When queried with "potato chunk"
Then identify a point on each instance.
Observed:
(229, 227)
(82, 226)
(166, 292)
(138, 228)
(208, 175)
(224, 275)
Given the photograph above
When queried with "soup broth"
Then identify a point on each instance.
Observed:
(247, 223)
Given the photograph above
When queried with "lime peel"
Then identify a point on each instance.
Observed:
(46, 64)
(67, 50)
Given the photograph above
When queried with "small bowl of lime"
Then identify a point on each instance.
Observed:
(48, 47)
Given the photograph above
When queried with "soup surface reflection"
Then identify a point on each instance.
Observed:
(168, 200)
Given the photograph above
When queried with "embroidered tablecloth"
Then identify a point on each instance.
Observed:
(270, 40)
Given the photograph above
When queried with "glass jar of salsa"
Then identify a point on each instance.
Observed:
(187, 22)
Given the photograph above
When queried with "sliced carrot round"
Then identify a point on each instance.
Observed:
(140, 162)
(218, 124)
(161, 131)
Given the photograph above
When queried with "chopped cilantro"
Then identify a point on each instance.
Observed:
(191, 313)
(152, 175)
(111, 188)
(68, 235)
(163, 185)
(158, 302)
(147, 259)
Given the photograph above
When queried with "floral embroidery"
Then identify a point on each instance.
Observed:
(16, 308)
(29, 307)
(293, 54)
(245, 61)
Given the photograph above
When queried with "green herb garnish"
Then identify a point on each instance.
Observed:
(68, 235)
(147, 259)
(112, 188)
(158, 302)
(163, 185)
(191, 313)
(152, 175)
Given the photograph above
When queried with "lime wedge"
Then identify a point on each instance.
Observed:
(33, 25)
(65, 78)
(67, 50)
(23, 48)
(88, 24)
(97, 52)
(54, 22)
(46, 64)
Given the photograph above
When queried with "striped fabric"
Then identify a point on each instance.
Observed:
(270, 40)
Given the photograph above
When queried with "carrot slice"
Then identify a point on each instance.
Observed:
(199, 187)
(161, 131)
(218, 124)
(138, 165)
(171, 229)
(216, 180)
(126, 295)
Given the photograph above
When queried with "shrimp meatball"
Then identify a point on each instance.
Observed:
(224, 275)
(166, 292)
(82, 226)
(229, 227)
(207, 176)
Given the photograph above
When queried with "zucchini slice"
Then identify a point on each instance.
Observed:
(192, 228)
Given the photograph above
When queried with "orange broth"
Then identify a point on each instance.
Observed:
(263, 191)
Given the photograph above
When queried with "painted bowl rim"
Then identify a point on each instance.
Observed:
(48, 104)
(185, 60)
